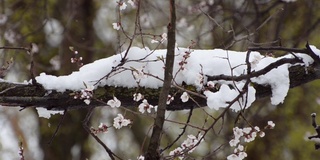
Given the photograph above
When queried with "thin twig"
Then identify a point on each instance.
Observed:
(86, 127)
(58, 127)
(180, 135)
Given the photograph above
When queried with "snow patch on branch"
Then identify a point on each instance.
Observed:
(189, 64)
(277, 78)
(43, 112)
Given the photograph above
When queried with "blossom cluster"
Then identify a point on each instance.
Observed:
(138, 74)
(118, 123)
(102, 128)
(163, 37)
(122, 6)
(75, 58)
(85, 94)
(248, 134)
(146, 107)
(188, 146)
(199, 80)
(183, 62)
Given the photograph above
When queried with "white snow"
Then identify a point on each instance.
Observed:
(43, 112)
(277, 78)
(144, 67)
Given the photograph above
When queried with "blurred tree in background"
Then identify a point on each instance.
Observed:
(55, 26)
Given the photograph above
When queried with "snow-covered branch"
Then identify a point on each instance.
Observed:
(205, 75)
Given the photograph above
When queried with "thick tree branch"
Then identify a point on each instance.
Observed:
(24, 95)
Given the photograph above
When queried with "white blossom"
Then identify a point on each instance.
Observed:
(87, 101)
(138, 74)
(140, 158)
(114, 102)
(164, 37)
(137, 97)
(234, 142)
(154, 41)
(262, 134)
(250, 137)
(177, 151)
(257, 128)
(199, 80)
(237, 132)
(120, 121)
(34, 48)
(240, 147)
(122, 5)
(145, 107)
(169, 99)
(271, 124)
(131, 3)
(102, 127)
(247, 130)
(3, 19)
(190, 143)
(155, 108)
(116, 26)
(184, 97)
(242, 155)
(233, 157)
(10, 36)
(238, 156)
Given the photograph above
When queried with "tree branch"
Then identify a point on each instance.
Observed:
(153, 148)
(27, 95)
